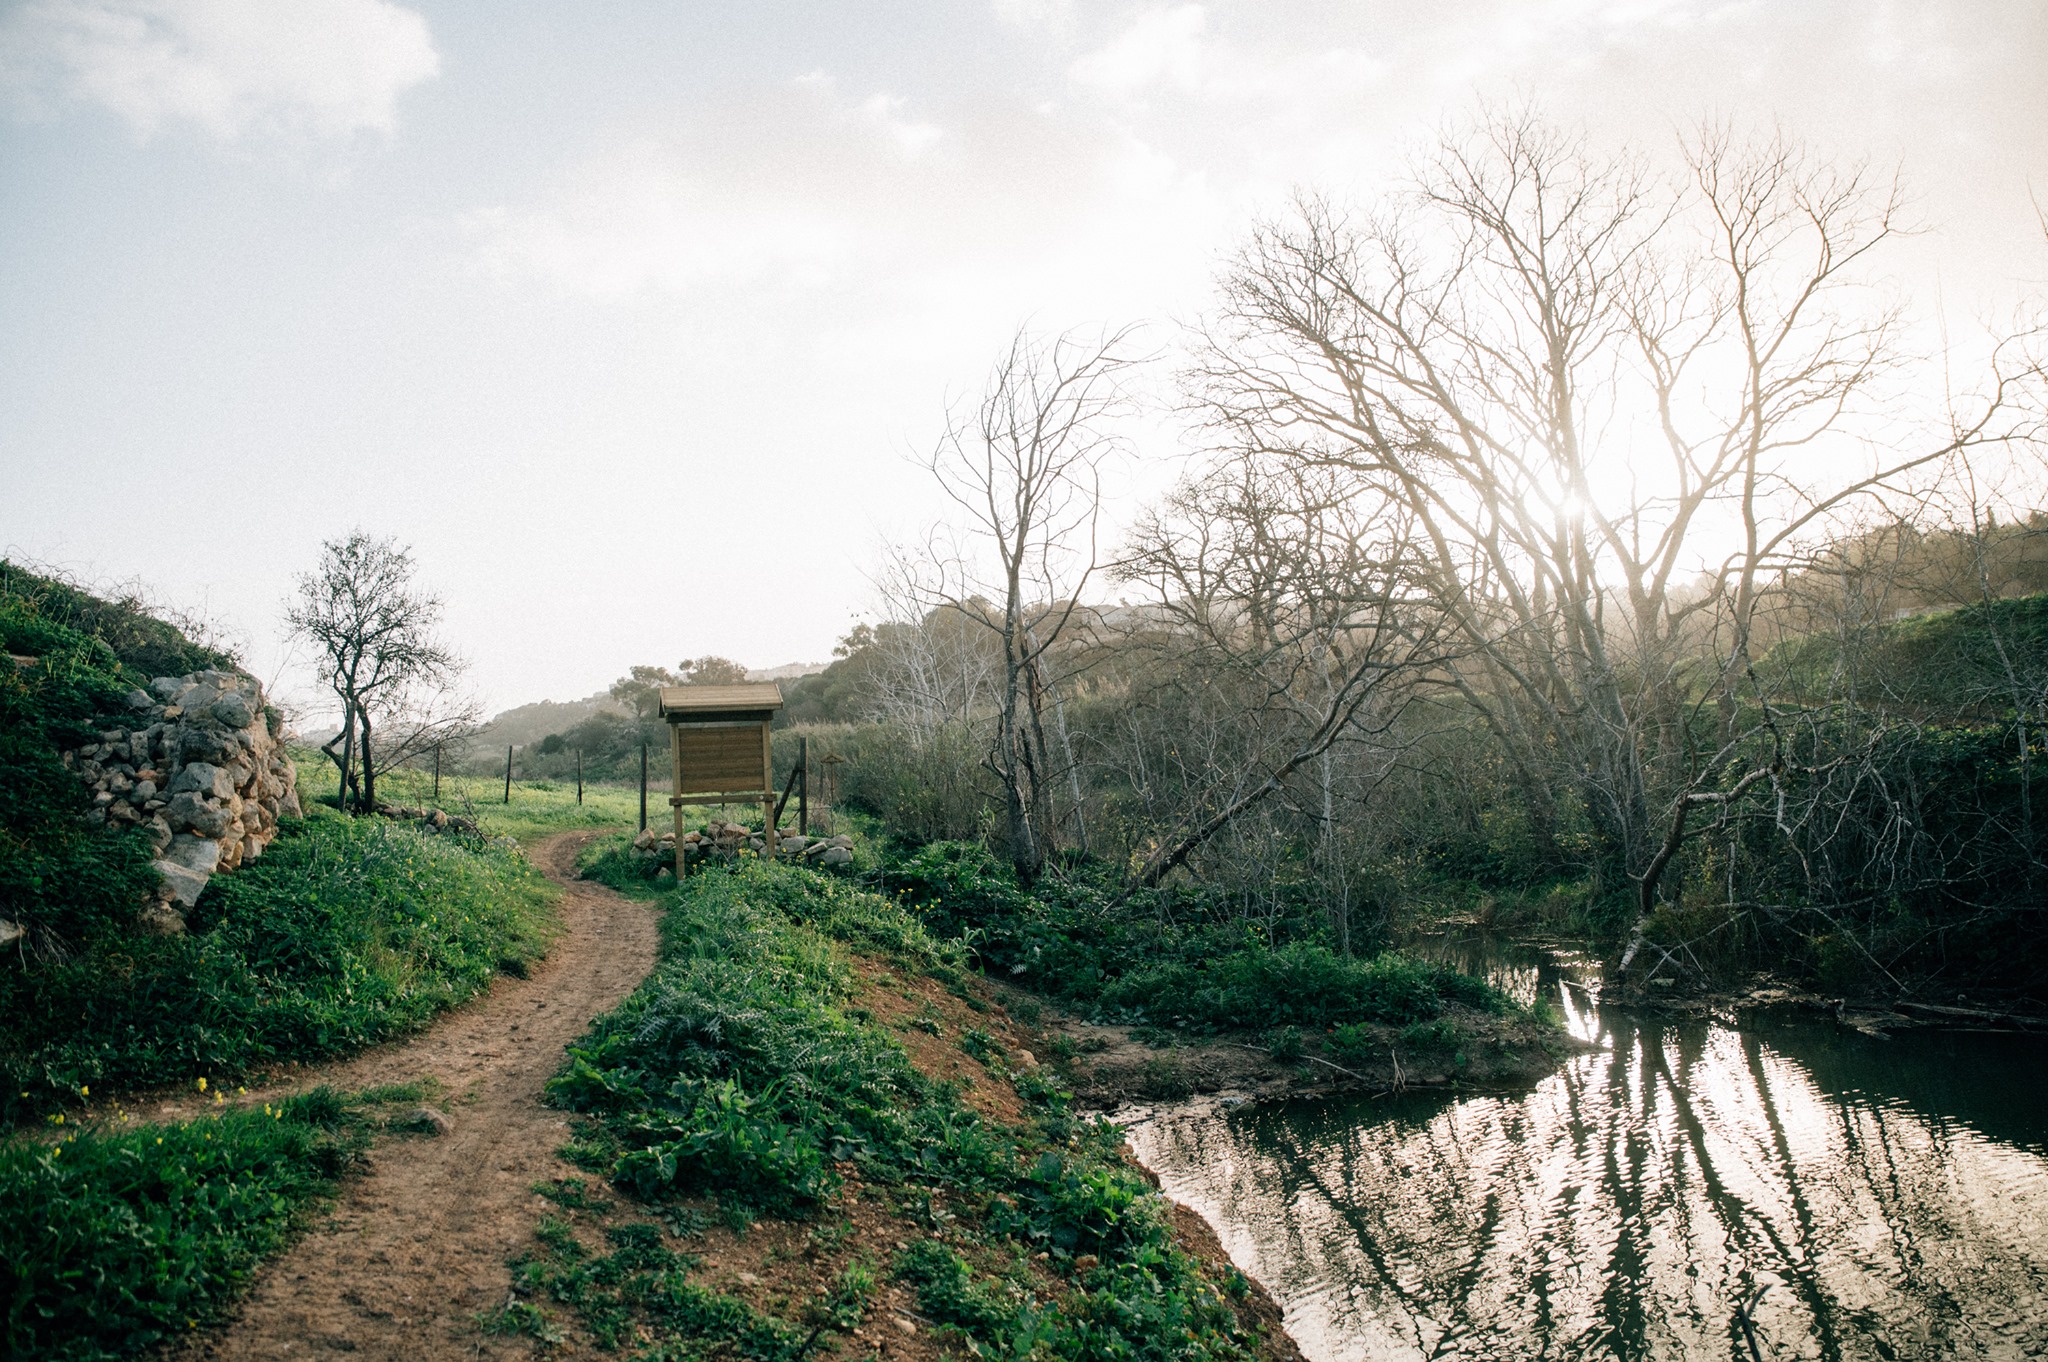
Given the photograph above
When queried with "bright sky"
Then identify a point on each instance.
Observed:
(626, 315)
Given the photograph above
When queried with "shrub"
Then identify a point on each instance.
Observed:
(1297, 985)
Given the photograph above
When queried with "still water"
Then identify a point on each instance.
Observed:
(1888, 1197)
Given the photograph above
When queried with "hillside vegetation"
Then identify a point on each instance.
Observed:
(346, 932)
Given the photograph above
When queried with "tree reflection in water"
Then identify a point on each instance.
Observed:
(1891, 1195)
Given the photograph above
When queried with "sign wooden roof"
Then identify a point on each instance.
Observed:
(679, 702)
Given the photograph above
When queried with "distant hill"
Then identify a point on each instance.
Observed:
(786, 672)
(530, 723)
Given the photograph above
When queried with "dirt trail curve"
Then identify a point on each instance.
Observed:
(416, 1246)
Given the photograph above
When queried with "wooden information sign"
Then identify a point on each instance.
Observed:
(718, 742)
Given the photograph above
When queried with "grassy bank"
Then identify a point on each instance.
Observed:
(113, 1241)
(345, 933)
(817, 1134)
(1159, 958)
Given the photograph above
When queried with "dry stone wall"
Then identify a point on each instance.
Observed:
(722, 838)
(201, 767)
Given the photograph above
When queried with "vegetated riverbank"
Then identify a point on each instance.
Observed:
(1464, 1049)
(813, 1133)
(1884, 1190)
(1152, 998)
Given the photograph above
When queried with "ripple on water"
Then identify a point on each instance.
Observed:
(1625, 1206)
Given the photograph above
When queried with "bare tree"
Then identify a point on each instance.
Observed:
(1298, 602)
(379, 654)
(1591, 387)
(1025, 470)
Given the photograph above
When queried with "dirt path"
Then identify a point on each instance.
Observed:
(416, 1247)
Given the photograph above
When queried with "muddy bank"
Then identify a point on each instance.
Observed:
(1872, 1017)
(1108, 1066)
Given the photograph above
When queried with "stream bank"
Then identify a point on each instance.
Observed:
(1855, 1196)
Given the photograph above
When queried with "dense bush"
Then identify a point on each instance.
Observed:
(1299, 985)
(1076, 942)
(344, 933)
(111, 1243)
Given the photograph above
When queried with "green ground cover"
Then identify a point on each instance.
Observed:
(346, 932)
(744, 1080)
(117, 1239)
(1158, 958)
(538, 808)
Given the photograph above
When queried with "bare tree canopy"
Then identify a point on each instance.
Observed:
(1613, 405)
(376, 634)
(1025, 469)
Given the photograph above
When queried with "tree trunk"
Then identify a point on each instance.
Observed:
(369, 769)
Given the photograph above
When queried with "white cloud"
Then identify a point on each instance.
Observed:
(231, 68)
(1165, 44)
(637, 220)
(911, 137)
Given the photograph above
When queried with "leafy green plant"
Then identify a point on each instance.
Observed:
(1302, 984)
(740, 1063)
(113, 1242)
(345, 933)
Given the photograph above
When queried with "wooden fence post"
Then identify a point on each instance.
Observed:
(579, 777)
(643, 785)
(437, 773)
(803, 788)
(508, 773)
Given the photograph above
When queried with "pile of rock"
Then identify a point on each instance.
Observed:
(431, 820)
(202, 768)
(726, 839)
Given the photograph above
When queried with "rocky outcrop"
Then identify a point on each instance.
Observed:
(724, 839)
(201, 767)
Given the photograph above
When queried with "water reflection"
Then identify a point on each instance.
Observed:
(1891, 1195)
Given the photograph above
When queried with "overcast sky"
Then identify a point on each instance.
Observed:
(625, 316)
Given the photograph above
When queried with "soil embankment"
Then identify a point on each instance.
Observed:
(415, 1248)
(1108, 1066)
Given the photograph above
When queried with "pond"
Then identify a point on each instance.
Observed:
(1858, 1197)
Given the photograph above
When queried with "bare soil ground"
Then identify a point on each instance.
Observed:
(416, 1246)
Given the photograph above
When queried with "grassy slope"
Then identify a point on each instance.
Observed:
(112, 1242)
(345, 933)
(825, 1136)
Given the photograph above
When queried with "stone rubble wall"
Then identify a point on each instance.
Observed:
(720, 837)
(201, 766)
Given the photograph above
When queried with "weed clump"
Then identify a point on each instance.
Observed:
(742, 1072)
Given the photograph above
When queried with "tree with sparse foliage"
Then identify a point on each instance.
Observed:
(1025, 470)
(379, 652)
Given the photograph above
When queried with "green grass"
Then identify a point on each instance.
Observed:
(742, 1073)
(113, 1242)
(538, 808)
(345, 933)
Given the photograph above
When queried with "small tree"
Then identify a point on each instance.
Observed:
(1025, 472)
(375, 632)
